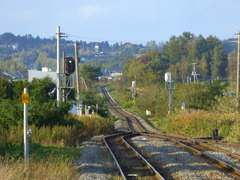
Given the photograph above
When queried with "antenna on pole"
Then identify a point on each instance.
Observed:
(194, 73)
(169, 85)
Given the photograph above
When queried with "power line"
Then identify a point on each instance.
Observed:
(99, 39)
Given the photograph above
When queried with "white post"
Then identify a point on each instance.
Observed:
(25, 129)
(80, 108)
(58, 65)
(97, 108)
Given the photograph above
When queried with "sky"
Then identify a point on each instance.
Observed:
(135, 21)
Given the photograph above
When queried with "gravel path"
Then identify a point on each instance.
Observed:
(178, 162)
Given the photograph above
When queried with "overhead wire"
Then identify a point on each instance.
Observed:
(98, 39)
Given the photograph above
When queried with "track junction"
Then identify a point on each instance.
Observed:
(134, 162)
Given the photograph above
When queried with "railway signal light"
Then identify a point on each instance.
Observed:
(70, 65)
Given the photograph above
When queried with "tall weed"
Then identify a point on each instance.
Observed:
(200, 123)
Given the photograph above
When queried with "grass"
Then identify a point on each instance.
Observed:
(53, 150)
(46, 162)
(200, 123)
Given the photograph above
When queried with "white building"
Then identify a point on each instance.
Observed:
(41, 74)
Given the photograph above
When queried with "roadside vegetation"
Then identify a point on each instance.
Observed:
(206, 108)
(57, 134)
(208, 105)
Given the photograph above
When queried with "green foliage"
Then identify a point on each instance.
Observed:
(5, 89)
(43, 109)
(44, 61)
(198, 95)
(208, 53)
(146, 69)
(146, 99)
(48, 113)
(91, 98)
(11, 113)
(40, 89)
(127, 105)
(113, 63)
(90, 73)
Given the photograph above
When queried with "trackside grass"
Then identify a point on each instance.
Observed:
(53, 150)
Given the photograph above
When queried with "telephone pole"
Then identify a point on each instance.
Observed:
(79, 104)
(238, 70)
(59, 66)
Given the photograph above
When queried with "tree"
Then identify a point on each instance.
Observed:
(172, 51)
(90, 73)
(231, 67)
(5, 89)
(203, 67)
(40, 89)
(219, 62)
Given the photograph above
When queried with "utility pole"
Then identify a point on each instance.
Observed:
(238, 71)
(59, 65)
(79, 105)
(63, 79)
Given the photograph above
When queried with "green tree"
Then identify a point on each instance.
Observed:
(90, 73)
(40, 89)
(231, 67)
(219, 62)
(203, 67)
(5, 89)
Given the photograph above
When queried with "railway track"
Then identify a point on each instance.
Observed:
(119, 143)
(130, 163)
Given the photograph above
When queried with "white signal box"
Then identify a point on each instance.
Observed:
(133, 83)
(167, 77)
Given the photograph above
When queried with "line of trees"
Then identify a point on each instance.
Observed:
(177, 57)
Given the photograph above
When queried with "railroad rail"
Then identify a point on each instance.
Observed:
(130, 163)
(196, 146)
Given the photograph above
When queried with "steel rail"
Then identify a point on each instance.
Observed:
(181, 141)
(187, 142)
(157, 175)
(114, 157)
(141, 168)
(135, 126)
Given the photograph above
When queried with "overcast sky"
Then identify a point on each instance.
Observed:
(136, 21)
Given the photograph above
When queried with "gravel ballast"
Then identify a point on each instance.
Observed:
(96, 161)
(177, 161)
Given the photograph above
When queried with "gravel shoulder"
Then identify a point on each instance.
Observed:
(177, 161)
(96, 161)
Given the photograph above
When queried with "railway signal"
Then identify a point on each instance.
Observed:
(69, 65)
